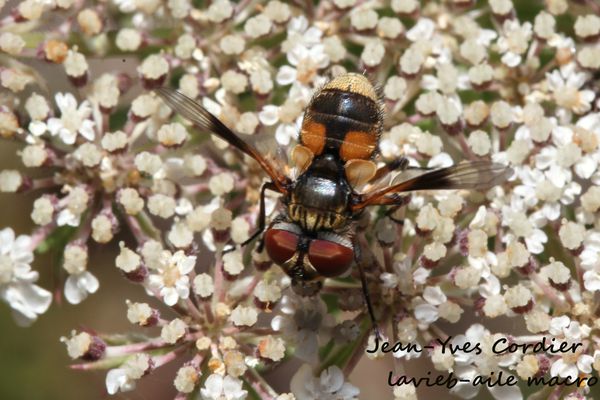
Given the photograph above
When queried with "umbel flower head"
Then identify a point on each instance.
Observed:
(108, 163)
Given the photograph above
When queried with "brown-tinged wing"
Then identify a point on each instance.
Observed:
(475, 175)
(191, 110)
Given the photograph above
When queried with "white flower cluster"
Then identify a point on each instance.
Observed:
(460, 80)
(17, 279)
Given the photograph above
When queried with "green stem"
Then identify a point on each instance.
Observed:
(351, 352)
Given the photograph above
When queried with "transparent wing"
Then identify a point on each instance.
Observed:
(271, 150)
(191, 110)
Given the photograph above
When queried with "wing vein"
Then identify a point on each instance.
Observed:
(203, 119)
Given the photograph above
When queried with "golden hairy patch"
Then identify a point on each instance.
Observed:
(313, 135)
(353, 83)
(358, 145)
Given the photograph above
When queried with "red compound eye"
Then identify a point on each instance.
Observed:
(281, 245)
(330, 259)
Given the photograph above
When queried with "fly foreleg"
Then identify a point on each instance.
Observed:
(261, 221)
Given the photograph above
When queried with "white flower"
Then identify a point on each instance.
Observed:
(17, 286)
(565, 84)
(75, 203)
(550, 184)
(80, 281)
(78, 286)
(124, 378)
(329, 386)
(563, 326)
(427, 312)
(423, 29)
(522, 226)
(73, 120)
(302, 322)
(117, 380)
(591, 251)
(172, 280)
(514, 41)
(572, 368)
(217, 387)
(591, 280)
(306, 61)
(299, 33)
(469, 364)
(305, 52)
(174, 331)
(126, 6)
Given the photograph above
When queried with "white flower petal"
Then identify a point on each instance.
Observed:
(66, 102)
(37, 128)
(67, 136)
(584, 363)
(564, 370)
(269, 115)
(284, 133)
(426, 313)
(213, 387)
(332, 379)
(170, 296)
(434, 295)
(591, 281)
(506, 392)
(441, 160)
(73, 292)
(298, 383)
(115, 380)
(586, 167)
(7, 238)
(511, 59)
(27, 301)
(87, 130)
(286, 75)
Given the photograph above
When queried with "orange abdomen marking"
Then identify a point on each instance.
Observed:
(313, 136)
(358, 145)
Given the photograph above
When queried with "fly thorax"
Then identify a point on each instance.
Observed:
(314, 220)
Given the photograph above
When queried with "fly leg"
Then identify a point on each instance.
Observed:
(359, 259)
(398, 163)
(396, 202)
(261, 219)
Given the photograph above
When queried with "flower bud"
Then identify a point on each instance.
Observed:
(266, 295)
(271, 349)
(186, 379)
(153, 71)
(203, 286)
(261, 261)
(559, 276)
(220, 222)
(142, 314)
(76, 68)
(232, 265)
(174, 331)
(84, 346)
(519, 299)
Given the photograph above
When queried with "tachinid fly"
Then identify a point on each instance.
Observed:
(314, 237)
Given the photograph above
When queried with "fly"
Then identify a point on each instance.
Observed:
(313, 238)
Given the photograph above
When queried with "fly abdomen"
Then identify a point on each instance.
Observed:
(344, 118)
